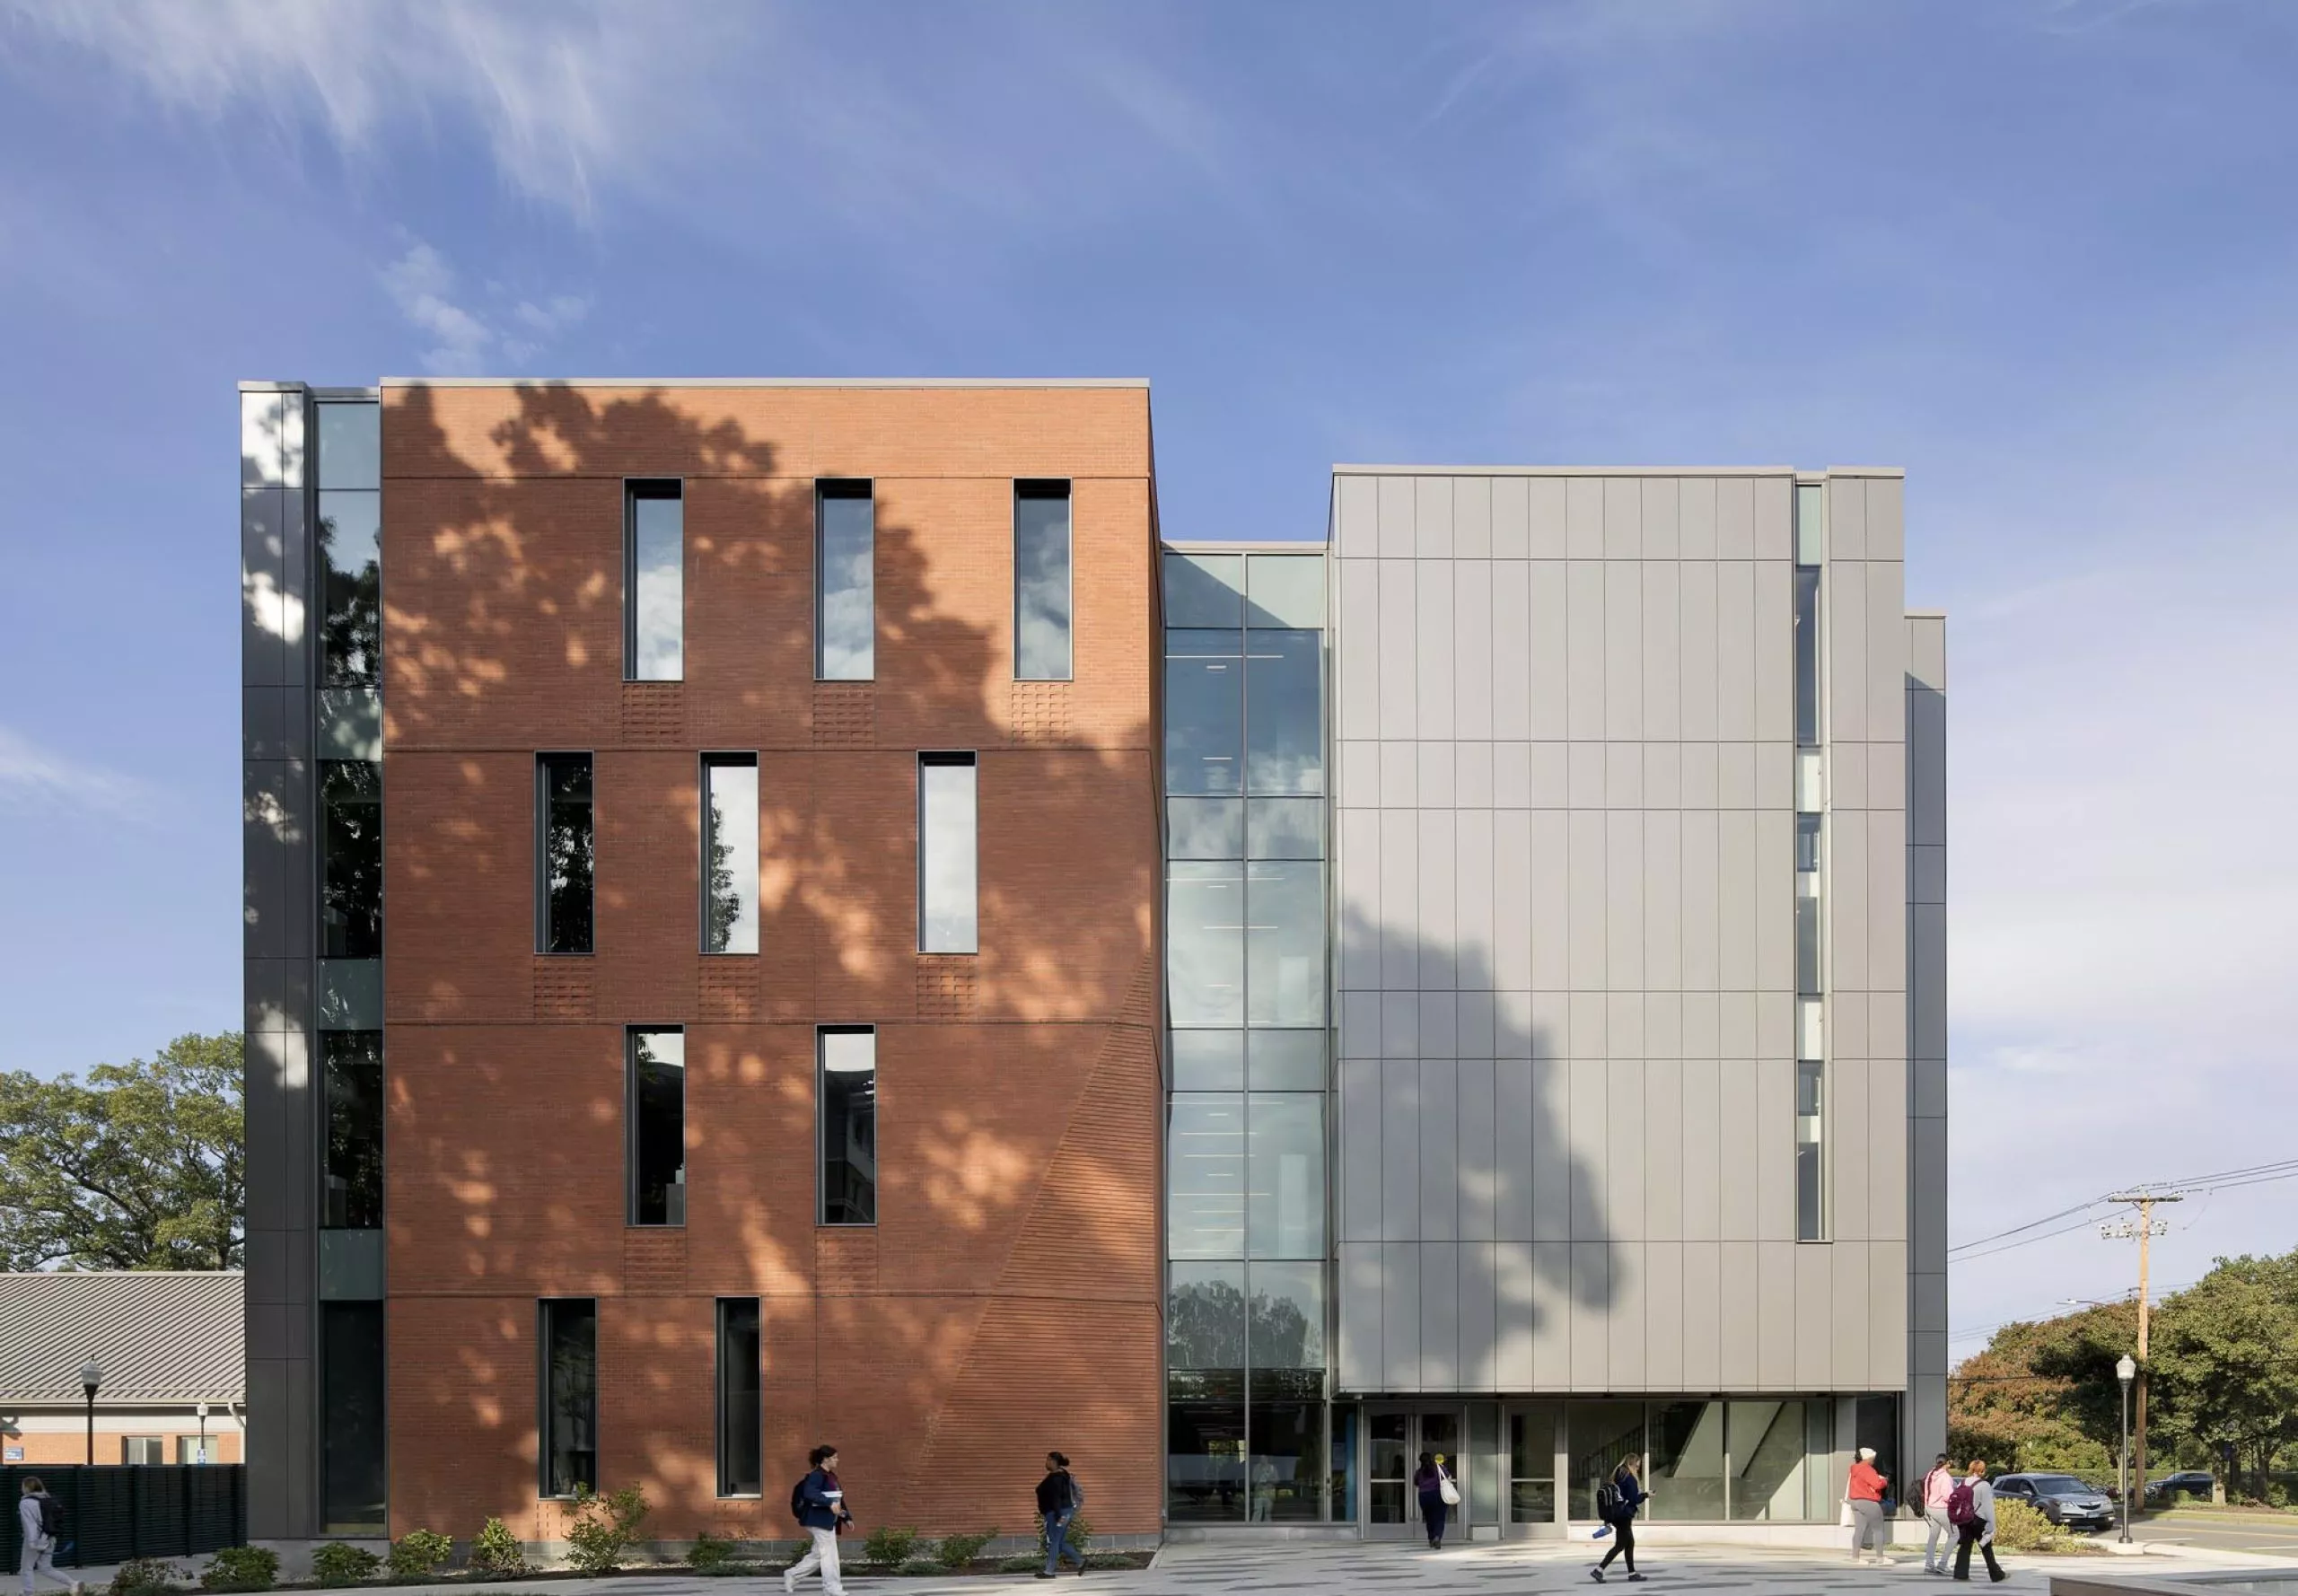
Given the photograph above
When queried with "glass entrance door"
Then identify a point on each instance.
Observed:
(1395, 1437)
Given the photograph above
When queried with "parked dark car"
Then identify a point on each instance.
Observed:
(2187, 1482)
(2061, 1498)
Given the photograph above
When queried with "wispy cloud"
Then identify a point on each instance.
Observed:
(462, 337)
(33, 778)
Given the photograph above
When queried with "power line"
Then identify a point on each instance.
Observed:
(2217, 1181)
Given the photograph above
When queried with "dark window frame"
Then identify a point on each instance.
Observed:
(545, 1435)
(1047, 488)
(844, 487)
(821, 1128)
(723, 759)
(949, 759)
(723, 1397)
(544, 759)
(633, 1155)
(633, 489)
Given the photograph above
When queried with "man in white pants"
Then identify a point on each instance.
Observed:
(38, 1556)
(821, 1508)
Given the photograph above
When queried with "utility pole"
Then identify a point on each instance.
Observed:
(2145, 1227)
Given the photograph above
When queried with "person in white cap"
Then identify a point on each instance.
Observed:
(1865, 1495)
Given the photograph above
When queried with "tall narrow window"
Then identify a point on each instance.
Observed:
(848, 1087)
(351, 632)
(741, 1447)
(1041, 587)
(351, 906)
(946, 870)
(351, 1483)
(352, 1064)
(654, 580)
(1811, 1121)
(657, 1115)
(568, 1338)
(1807, 656)
(564, 846)
(730, 853)
(845, 600)
(1807, 906)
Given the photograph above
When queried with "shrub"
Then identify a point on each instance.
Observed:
(1021, 1564)
(143, 1576)
(417, 1553)
(957, 1551)
(339, 1563)
(888, 1547)
(241, 1568)
(2019, 1528)
(604, 1527)
(496, 1554)
(709, 1553)
(921, 1567)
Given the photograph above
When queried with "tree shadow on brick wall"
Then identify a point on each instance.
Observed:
(1006, 1301)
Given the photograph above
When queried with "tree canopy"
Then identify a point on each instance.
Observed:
(140, 1167)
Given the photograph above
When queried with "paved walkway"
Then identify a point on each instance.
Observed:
(1344, 1568)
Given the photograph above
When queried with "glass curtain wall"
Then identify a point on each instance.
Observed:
(1247, 972)
(1709, 1461)
(1810, 853)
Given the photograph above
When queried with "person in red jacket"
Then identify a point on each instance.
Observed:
(1865, 1495)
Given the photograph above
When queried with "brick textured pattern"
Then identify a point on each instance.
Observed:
(1007, 1302)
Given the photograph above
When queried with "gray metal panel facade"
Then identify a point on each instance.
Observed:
(1574, 937)
(1926, 1015)
(278, 806)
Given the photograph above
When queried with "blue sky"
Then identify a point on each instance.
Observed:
(2039, 252)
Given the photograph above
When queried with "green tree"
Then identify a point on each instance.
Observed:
(140, 1167)
(2043, 1394)
(2226, 1361)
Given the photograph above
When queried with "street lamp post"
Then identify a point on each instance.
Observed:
(92, 1379)
(2126, 1370)
(203, 1432)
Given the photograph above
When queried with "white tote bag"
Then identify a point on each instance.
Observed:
(1446, 1490)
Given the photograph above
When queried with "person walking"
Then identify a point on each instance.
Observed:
(1939, 1535)
(1865, 1494)
(41, 1516)
(1627, 1494)
(1060, 1497)
(820, 1505)
(1975, 1517)
(1430, 1480)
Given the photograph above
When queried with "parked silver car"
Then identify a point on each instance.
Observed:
(2061, 1498)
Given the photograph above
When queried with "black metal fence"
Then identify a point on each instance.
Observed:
(116, 1510)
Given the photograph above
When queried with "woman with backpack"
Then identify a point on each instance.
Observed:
(1971, 1508)
(1940, 1536)
(41, 1516)
(820, 1503)
(1431, 1483)
(1615, 1503)
(1060, 1497)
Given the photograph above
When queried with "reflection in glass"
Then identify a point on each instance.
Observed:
(1389, 1465)
(1285, 750)
(1205, 1152)
(947, 904)
(1287, 1313)
(1205, 712)
(657, 1099)
(1284, 828)
(1285, 589)
(1810, 524)
(1041, 581)
(1685, 1472)
(351, 843)
(351, 627)
(569, 1340)
(565, 852)
(1284, 943)
(1209, 1060)
(1284, 1472)
(844, 553)
(1286, 1174)
(1807, 905)
(351, 1064)
(741, 1415)
(1204, 1316)
(1205, 943)
(849, 1085)
(351, 1428)
(1768, 1459)
(351, 444)
(1602, 1434)
(1811, 1126)
(1532, 1437)
(654, 583)
(1204, 829)
(1204, 590)
(1807, 658)
(730, 853)
(1286, 1060)
(1205, 1445)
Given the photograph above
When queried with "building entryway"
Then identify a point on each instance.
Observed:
(1395, 1437)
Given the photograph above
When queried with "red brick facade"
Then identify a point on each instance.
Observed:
(1007, 1301)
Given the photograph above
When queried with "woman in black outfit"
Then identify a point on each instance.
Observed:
(1628, 1481)
(1057, 1502)
(1429, 1481)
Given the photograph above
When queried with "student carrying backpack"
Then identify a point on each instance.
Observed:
(40, 1519)
(1961, 1508)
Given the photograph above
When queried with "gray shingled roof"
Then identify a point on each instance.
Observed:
(160, 1335)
